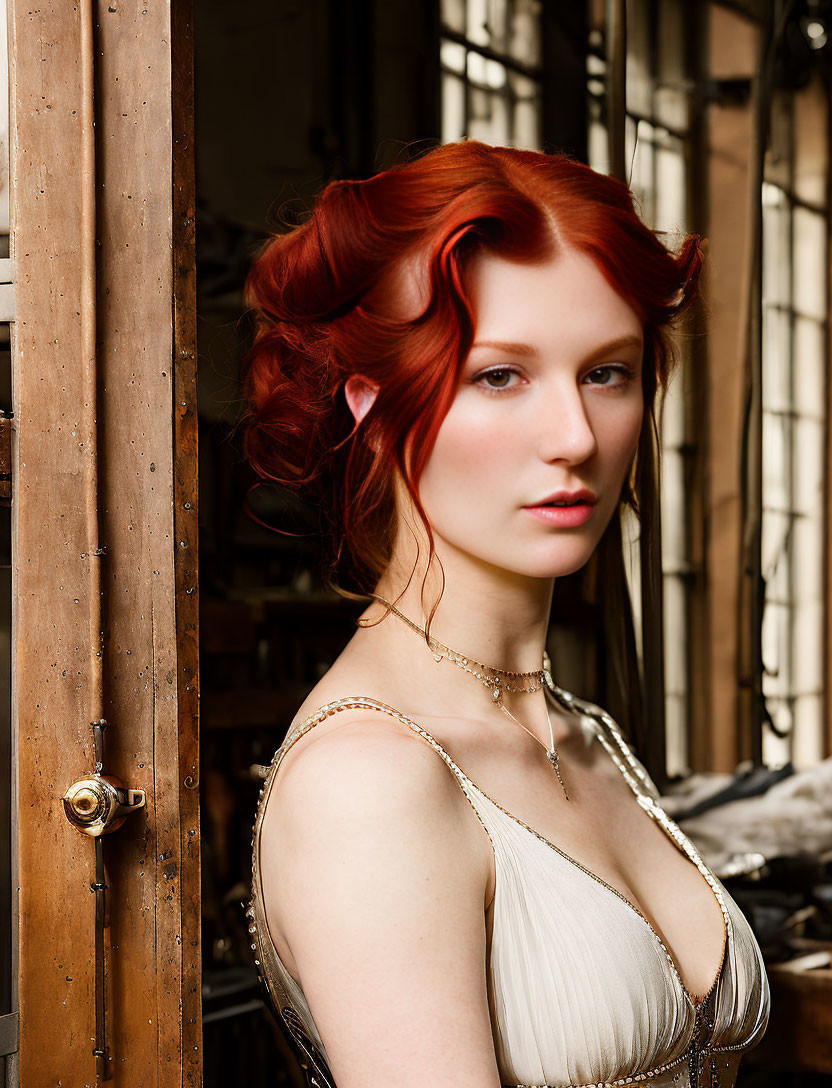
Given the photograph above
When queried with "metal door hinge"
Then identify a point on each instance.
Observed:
(9, 1033)
(5, 459)
(7, 298)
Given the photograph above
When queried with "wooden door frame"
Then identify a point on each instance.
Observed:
(141, 446)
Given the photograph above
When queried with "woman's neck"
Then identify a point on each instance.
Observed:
(494, 616)
(486, 614)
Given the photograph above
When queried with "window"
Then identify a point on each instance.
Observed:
(795, 331)
(492, 90)
(656, 135)
(491, 76)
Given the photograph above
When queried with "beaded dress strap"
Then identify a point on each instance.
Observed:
(644, 788)
(272, 973)
(363, 703)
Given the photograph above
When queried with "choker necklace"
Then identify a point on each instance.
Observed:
(504, 680)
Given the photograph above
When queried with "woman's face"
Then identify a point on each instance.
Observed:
(530, 461)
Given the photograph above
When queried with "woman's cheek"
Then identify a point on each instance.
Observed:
(625, 431)
(470, 444)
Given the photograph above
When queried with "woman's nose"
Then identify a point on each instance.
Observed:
(567, 433)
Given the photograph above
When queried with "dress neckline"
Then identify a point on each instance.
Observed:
(635, 774)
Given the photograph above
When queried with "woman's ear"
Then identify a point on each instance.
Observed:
(360, 393)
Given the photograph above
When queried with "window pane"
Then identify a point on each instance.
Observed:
(809, 441)
(453, 108)
(776, 646)
(777, 751)
(776, 247)
(596, 66)
(640, 160)
(671, 211)
(489, 117)
(777, 359)
(671, 95)
(597, 139)
(527, 131)
(776, 462)
(675, 625)
(807, 648)
(453, 14)
(527, 111)
(794, 456)
(476, 69)
(809, 368)
(810, 283)
(776, 533)
(524, 35)
(479, 26)
(452, 56)
(808, 731)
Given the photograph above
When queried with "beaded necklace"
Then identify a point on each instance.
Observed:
(503, 680)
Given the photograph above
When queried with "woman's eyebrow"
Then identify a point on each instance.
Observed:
(621, 343)
(513, 348)
(508, 346)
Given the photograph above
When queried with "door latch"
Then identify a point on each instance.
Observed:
(98, 804)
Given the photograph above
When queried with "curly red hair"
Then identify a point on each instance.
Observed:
(309, 291)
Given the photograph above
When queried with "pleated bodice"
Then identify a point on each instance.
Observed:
(582, 989)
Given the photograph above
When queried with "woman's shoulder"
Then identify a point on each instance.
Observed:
(362, 843)
(351, 763)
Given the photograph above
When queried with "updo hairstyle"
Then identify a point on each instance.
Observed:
(316, 294)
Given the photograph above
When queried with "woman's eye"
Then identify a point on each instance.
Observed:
(498, 378)
(609, 375)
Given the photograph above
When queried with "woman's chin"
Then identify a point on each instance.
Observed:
(555, 557)
(556, 563)
(555, 570)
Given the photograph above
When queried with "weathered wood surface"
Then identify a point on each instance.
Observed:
(715, 741)
(186, 527)
(147, 467)
(51, 602)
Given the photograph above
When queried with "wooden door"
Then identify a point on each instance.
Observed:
(105, 557)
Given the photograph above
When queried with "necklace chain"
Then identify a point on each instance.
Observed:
(535, 678)
(505, 680)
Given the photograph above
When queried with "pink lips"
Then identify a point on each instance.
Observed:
(573, 510)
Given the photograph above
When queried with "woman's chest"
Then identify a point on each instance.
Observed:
(584, 992)
(608, 835)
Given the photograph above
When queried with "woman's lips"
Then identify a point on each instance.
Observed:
(563, 517)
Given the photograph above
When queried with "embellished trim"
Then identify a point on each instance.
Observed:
(294, 734)
(633, 773)
(734, 1046)
(316, 1076)
(633, 1078)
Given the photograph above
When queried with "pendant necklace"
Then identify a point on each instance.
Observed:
(504, 680)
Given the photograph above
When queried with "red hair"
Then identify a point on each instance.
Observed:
(309, 291)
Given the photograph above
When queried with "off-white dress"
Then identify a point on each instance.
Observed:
(582, 990)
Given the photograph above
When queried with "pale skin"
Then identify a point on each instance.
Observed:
(378, 877)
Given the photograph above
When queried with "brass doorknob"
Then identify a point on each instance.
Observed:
(98, 804)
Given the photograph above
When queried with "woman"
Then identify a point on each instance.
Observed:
(461, 876)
